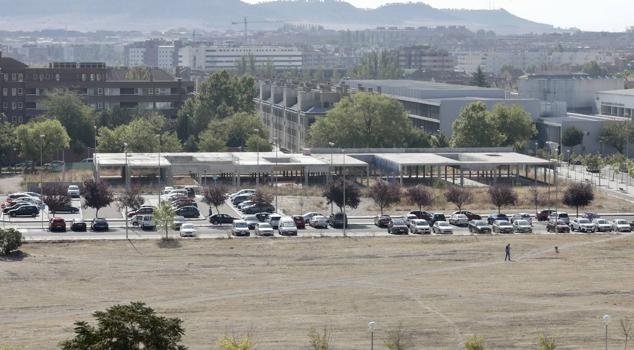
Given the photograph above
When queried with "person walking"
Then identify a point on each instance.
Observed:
(507, 257)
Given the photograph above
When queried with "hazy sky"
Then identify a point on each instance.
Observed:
(610, 15)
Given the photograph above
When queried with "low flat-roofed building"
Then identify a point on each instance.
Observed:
(619, 103)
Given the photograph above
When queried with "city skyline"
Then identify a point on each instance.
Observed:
(586, 17)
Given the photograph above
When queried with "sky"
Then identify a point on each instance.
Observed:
(608, 15)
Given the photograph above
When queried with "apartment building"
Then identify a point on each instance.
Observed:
(425, 58)
(215, 58)
(24, 90)
(152, 53)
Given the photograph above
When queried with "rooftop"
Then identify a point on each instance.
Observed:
(413, 84)
(624, 92)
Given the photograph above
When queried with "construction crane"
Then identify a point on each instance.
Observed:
(246, 22)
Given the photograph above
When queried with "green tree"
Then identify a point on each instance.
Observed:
(140, 135)
(234, 131)
(97, 195)
(221, 96)
(76, 117)
(578, 195)
(7, 143)
(269, 69)
(378, 65)
(113, 117)
(617, 133)
(475, 343)
(10, 241)
(210, 141)
(385, 194)
(398, 339)
(334, 194)
(28, 137)
(164, 216)
(571, 137)
(319, 340)
(215, 195)
(134, 326)
(363, 121)
(478, 78)
(515, 124)
(130, 198)
(475, 128)
(547, 343)
(258, 143)
(593, 68)
(439, 140)
(232, 342)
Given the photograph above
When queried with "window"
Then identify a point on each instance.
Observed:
(20, 105)
(14, 106)
(150, 91)
(5, 92)
(98, 77)
(6, 76)
(92, 77)
(5, 105)
(14, 91)
(99, 105)
(57, 76)
(99, 91)
(20, 91)
(14, 77)
(20, 77)
(83, 77)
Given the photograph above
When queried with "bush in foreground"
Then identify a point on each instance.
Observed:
(10, 240)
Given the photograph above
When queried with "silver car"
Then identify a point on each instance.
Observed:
(582, 225)
(602, 225)
(442, 227)
(318, 221)
(502, 226)
(620, 225)
(522, 226)
(264, 229)
(459, 220)
(419, 226)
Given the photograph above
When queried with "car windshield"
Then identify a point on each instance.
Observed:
(250, 218)
(563, 215)
(264, 226)
(522, 222)
(187, 226)
(241, 224)
(275, 218)
(398, 222)
(421, 223)
(287, 224)
(319, 217)
(601, 221)
(621, 222)
(584, 221)
(442, 223)
(502, 222)
(73, 187)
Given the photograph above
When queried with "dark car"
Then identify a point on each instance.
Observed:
(191, 193)
(591, 216)
(78, 225)
(188, 212)
(219, 219)
(436, 217)
(254, 209)
(338, 220)
(397, 227)
(67, 208)
(99, 224)
(544, 214)
(299, 222)
(263, 217)
(57, 224)
(24, 210)
(383, 220)
(470, 215)
(558, 226)
(14, 205)
(141, 211)
(419, 214)
(241, 198)
(479, 226)
(184, 202)
(493, 217)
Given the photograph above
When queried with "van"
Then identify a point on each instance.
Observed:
(274, 220)
(338, 220)
(287, 227)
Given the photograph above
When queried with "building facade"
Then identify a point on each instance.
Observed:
(425, 58)
(152, 53)
(215, 58)
(24, 90)
(619, 103)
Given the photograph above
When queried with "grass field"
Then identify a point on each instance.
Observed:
(442, 289)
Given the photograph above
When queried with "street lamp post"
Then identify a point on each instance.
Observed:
(95, 127)
(371, 328)
(127, 186)
(606, 321)
(331, 145)
(343, 171)
(41, 170)
(274, 171)
(257, 171)
(159, 167)
(568, 156)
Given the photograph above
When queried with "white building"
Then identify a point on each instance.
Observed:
(213, 58)
(166, 57)
(136, 56)
(618, 103)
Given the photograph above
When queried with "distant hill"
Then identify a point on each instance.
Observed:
(164, 14)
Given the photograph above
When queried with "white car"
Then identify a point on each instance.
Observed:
(419, 226)
(459, 220)
(264, 229)
(620, 225)
(522, 226)
(247, 191)
(240, 228)
(188, 230)
(318, 221)
(522, 216)
(73, 191)
(602, 225)
(582, 225)
(442, 227)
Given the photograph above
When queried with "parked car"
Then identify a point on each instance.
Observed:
(318, 221)
(274, 220)
(544, 214)
(263, 217)
(245, 204)
(178, 222)
(219, 219)
(146, 209)
(419, 226)
(494, 217)
(620, 225)
(397, 226)
(78, 225)
(419, 214)
(299, 222)
(240, 228)
(188, 212)
(147, 223)
(459, 220)
(338, 220)
(241, 198)
(99, 224)
(174, 193)
(57, 224)
(522, 216)
(24, 210)
(409, 217)
(183, 202)
(582, 225)
(442, 227)
(557, 226)
(470, 215)
(254, 209)
(436, 217)
(522, 226)
(14, 205)
(73, 191)
(590, 216)
(561, 216)
(309, 216)
(502, 226)
(263, 229)
(188, 230)
(602, 225)
(251, 221)
(382, 221)
(247, 191)
(66, 208)
(479, 226)
(287, 227)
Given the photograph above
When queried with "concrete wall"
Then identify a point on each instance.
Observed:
(618, 104)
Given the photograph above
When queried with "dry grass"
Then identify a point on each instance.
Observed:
(442, 289)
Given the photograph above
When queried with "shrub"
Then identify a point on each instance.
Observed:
(475, 343)
(231, 342)
(547, 343)
(319, 341)
(10, 240)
